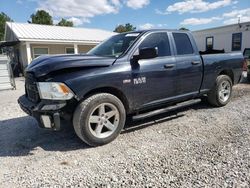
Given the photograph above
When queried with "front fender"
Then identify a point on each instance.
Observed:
(103, 80)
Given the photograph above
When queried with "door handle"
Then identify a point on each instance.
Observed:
(169, 66)
(196, 62)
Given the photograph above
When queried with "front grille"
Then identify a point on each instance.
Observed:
(31, 88)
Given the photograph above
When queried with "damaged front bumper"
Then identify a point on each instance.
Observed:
(46, 112)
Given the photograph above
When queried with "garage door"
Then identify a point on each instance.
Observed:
(6, 80)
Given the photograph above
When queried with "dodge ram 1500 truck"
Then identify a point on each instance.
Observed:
(128, 74)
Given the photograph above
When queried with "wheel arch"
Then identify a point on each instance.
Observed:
(111, 90)
(229, 73)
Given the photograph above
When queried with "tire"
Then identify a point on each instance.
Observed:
(248, 77)
(215, 96)
(99, 119)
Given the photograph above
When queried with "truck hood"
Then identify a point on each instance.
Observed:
(44, 65)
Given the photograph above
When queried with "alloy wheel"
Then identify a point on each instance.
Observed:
(224, 91)
(104, 120)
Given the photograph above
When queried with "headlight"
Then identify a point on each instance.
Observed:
(54, 91)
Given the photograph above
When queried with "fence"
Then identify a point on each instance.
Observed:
(6, 75)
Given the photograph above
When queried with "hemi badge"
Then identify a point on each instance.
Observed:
(127, 81)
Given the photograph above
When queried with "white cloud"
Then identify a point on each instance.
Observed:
(77, 21)
(235, 13)
(199, 21)
(228, 18)
(157, 11)
(19, 2)
(233, 16)
(161, 25)
(83, 9)
(146, 26)
(136, 4)
(195, 6)
(116, 2)
(151, 26)
(235, 20)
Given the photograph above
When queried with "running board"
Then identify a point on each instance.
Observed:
(167, 109)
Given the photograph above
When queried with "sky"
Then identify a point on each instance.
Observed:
(143, 14)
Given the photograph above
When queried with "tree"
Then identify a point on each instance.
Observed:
(41, 17)
(124, 28)
(66, 23)
(184, 29)
(3, 19)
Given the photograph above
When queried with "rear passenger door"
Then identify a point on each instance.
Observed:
(188, 65)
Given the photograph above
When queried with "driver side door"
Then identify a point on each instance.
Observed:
(154, 79)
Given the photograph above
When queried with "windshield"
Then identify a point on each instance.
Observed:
(114, 46)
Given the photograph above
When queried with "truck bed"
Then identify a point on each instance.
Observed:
(215, 63)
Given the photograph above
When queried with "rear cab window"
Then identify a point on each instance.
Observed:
(183, 44)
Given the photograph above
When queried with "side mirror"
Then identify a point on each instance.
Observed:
(146, 53)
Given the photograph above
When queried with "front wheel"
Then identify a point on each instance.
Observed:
(221, 93)
(99, 119)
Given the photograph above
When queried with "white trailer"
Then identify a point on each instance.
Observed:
(231, 38)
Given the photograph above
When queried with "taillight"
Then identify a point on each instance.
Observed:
(245, 65)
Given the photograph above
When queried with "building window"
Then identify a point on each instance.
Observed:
(69, 50)
(40, 51)
(209, 43)
(236, 41)
(183, 44)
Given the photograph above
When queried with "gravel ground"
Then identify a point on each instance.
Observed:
(198, 146)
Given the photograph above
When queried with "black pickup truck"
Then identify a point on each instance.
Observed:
(128, 74)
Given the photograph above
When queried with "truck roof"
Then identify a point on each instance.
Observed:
(153, 30)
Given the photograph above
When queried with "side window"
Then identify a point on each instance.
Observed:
(159, 41)
(69, 50)
(40, 51)
(236, 41)
(183, 44)
(209, 43)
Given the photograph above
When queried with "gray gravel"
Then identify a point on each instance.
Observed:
(198, 146)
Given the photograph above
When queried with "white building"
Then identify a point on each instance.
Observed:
(31, 40)
(234, 37)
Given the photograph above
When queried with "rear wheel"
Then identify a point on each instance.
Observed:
(221, 93)
(99, 119)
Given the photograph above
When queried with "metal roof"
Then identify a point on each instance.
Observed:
(36, 32)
